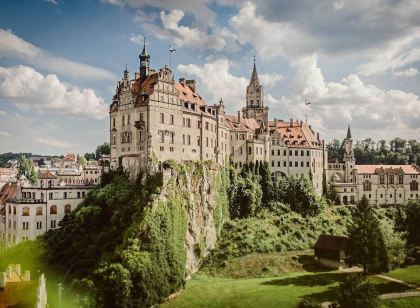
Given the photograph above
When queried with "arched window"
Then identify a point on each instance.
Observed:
(25, 211)
(14, 210)
(39, 210)
(53, 209)
(67, 209)
(10, 209)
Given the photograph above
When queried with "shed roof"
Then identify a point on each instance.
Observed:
(332, 242)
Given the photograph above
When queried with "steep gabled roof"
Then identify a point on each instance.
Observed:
(332, 242)
(187, 94)
(244, 124)
(47, 175)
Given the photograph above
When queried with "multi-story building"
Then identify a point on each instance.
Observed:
(36, 209)
(153, 119)
(380, 184)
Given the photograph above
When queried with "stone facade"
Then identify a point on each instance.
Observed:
(380, 184)
(36, 209)
(154, 119)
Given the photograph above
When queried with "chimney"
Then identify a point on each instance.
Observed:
(182, 81)
(191, 84)
(291, 122)
(239, 116)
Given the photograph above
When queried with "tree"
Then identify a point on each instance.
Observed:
(82, 161)
(265, 182)
(367, 244)
(102, 149)
(412, 219)
(90, 156)
(335, 151)
(26, 168)
(355, 292)
(247, 196)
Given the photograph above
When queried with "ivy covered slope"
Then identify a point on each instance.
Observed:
(131, 245)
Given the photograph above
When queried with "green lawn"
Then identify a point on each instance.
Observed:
(408, 274)
(409, 302)
(28, 254)
(282, 291)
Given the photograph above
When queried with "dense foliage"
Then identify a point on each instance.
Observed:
(356, 292)
(102, 149)
(26, 169)
(367, 243)
(367, 151)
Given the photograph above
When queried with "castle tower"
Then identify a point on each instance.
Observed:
(144, 63)
(255, 99)
(348, 158)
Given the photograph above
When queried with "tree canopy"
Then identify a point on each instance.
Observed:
(26, 168)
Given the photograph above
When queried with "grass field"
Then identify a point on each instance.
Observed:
(282, 291)
(28, 255)
(408, 274)
(409, 302)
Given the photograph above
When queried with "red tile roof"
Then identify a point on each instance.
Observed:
(187, 94)
(245, 124)
(332, 242)
(47, 175)
(296, 135)
(8, 191)
(375, 169)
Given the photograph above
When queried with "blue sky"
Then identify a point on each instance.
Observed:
(60, 60)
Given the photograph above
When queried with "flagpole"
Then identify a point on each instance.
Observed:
(170, 58)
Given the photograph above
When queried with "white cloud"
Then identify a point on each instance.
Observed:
(4, 134)
(381, 112)
(270, 80)
(218, 39)
(51, 1)
(16, 48)
(217, 82)
(52, 143)
(30, 90)
(270, 39)
(198, 8)
(410, 72)
(136, 39)
(394, 56)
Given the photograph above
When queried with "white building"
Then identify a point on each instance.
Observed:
(380, 184)
(153, 118)
(37, 209)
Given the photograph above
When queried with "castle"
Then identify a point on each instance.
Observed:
(153, 118)
(380, 184)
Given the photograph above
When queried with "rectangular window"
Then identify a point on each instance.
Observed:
(171, 119)
(141, 116)
(207, 125)
(162, 118)
(284, 164)
(53, 224)
(78, 194)
(50, 196)
(290, 164)
(401, 179)
(123, 120)
(278, 164)
(207, 141)
(240, 151)
(188, 122)
(278, 152)
(381, 179)
(128, 120)
(183, 138)
(272, 152)
(391, 179)
(307, 164)
(296, 164)
(189, 139)
(25, 225)
(296, 153)
(172, 137)
(162, 136)
(113, 122)
(65, 195)
(39, 225)
(272, 163)
(301, 163)
(198, 141)
(290, 152)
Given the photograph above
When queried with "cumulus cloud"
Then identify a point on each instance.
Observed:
(410, 72)
(218, 39)
(15, 48)
(4, 134)
(51, 1)
(30, 90)
(136, 39)
(365, 106)
(217, 81)
(50, 142)
(198, 8)
(270, 80)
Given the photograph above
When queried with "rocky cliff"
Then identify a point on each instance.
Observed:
(198, 190)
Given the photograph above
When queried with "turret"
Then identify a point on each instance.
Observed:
(144, 63)
(348, 158)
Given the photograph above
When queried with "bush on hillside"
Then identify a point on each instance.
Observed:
(355, 292)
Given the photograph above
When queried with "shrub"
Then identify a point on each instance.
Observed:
(309, 303)
(355, 292)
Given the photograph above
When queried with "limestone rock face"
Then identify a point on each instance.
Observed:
(206, 209)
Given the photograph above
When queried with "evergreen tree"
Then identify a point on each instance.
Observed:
(265, 182)
(354, 292)
(367, 244)
(26, 168)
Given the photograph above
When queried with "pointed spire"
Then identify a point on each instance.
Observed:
(144, 52)
(254, 77)
(126, 74)
(348, 132)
